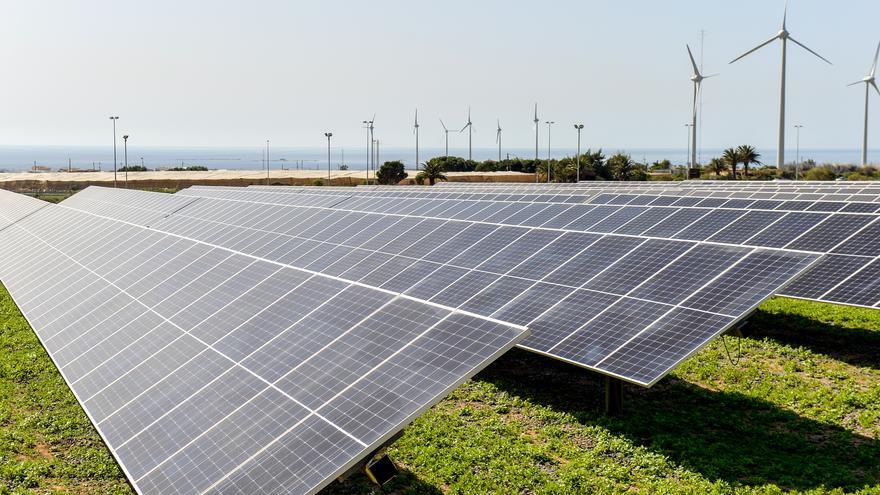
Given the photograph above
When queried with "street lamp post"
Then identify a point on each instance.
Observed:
(688, 159)
(549, 123)
(368, 126)
(125, 154)
(328, 135)
(797, 154)
(577, 177)
(114, 119)
(267, 162)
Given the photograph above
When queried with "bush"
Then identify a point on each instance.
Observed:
(454, 163)
(820, 173)
(391, 173)
(133, 168)
(318, 182)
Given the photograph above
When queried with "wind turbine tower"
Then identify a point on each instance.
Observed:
(416, 132)
(498, 139)
(697, 78)
(869, 81)
(784, 36)
(536, 121)
(446, 136)
(470, 127)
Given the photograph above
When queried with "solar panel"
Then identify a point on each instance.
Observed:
(206, 369)
(458, 262)
(838, 232)
(14, 207)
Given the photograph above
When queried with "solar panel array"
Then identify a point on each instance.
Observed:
(848, 232)
(628, 306)
(210, 370)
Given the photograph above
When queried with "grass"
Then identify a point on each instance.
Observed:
(798, 412)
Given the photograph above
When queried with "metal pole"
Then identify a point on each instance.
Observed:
(688, 158)
(549, 123)
(613, 396)
(267, 162)
(537, 125)
(865, 133)
(329, 135)
(780, 152)
(125, 153)
(693, 143)
(577, 177)
(370, 165)
(114, 119)
(797, 164)
(417, 139)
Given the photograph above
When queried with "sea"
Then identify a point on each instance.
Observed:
(25, 158)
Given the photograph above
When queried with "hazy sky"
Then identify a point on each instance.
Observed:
(224, 73)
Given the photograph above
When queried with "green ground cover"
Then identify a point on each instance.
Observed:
(798, 411)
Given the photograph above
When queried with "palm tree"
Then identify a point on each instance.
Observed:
(717, 166)
(748, 155)
(731, 157)
(432, 171)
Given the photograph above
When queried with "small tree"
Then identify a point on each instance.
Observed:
(731, 158)
(717, 166)
(594, 166)
(623, 167)
(391, 173)
(432, 171)
(748, 155)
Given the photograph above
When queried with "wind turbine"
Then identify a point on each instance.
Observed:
(446, 135)
(498, 139)
(697, 78)
(536, 121)
(470, 127)
(784, 36)
(869, 81)
(416, 132)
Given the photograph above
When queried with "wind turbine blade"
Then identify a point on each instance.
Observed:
(536, 111)
(798, 43)
(711, 75)
(444, 125)
(876, 54)
(373, 119)
(872, 83)
(762, 45)
(784, 13)
(853, 84)
(463, 128)
(693, 62)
